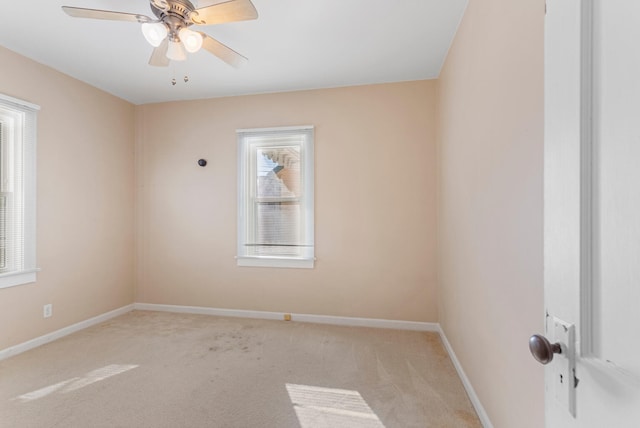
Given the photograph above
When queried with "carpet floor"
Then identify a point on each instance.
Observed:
(153, 369)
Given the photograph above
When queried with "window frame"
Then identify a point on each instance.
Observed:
(18, 120)
(249, 141)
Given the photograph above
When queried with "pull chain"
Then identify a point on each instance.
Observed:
(174, 82)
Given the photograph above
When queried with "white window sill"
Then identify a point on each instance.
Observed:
(278, 262)
(12, 279)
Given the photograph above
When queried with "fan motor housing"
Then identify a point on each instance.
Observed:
(177, 8)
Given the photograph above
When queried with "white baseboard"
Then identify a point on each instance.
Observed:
(319, 319)
(473, 397)
(200, 310)
(50, 337)
(367, 322)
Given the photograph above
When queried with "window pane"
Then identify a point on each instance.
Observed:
(278, 171)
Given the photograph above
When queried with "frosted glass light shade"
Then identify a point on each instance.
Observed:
(176, 52)
(191, 40)
(154, 33)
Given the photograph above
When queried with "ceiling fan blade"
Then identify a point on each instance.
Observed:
(227, 11)
(80, 12)
(223, 52)
(159, 55)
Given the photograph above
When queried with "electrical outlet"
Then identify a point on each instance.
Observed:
(47, 310)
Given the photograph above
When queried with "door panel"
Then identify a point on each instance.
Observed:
(616, 95)
(592, 206)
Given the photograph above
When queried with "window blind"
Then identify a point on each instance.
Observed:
(17, 191)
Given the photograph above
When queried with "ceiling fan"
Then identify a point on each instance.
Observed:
(170, 35)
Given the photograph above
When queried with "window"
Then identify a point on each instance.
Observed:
(17, 191)
(275, 197)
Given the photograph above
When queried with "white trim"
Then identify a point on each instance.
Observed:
(279, 262)
(367, 322)
(8, 274)
(276, 129)
(11, 279)
(201, 310)
(588, 187)
(318, 319)
(475, 400)
(50, 337)
(19, 102)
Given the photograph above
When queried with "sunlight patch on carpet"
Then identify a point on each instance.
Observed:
(318, 407)
(76, 383)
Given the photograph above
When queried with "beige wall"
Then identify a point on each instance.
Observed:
(85, 202)
(375, 203)
(490, 204)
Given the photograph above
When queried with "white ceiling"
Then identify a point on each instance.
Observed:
(293, 45)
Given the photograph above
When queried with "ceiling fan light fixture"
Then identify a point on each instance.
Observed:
(175, 51)
(171, 16)
(192, 40)
(155, 33)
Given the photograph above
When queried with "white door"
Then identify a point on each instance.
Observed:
(592, 212)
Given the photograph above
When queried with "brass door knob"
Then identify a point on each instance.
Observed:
(542, 350)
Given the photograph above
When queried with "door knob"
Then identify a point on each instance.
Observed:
(542, 350)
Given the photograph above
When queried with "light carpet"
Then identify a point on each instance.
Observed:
(154, 369)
